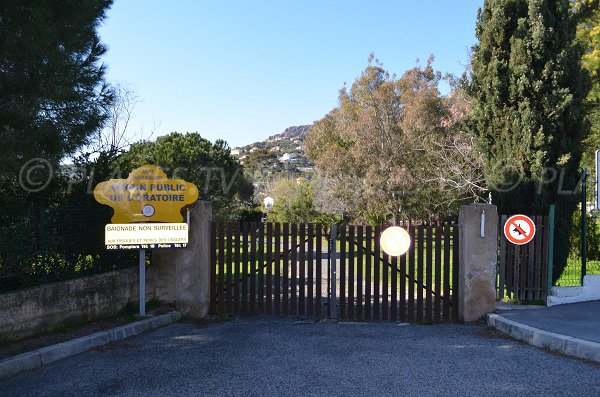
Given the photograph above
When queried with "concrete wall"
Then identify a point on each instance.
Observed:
(183, 275)
(589, 291)
(40, 309)
(478, 258)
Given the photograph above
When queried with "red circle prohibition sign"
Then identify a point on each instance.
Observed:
(519, 229)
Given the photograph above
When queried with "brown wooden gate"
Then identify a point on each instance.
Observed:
(317, 271)
(522, 269)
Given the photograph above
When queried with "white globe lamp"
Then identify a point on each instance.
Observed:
(395, 241)
(268, 202)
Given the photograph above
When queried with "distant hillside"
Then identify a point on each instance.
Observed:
(288, 146)
(298, 132)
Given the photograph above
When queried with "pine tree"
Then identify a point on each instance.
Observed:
(53, 96)
(527, 88)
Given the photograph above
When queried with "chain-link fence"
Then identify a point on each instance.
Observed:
(41, 245)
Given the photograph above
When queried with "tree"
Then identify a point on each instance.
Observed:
(384, 151)
(261, 163)
(587, 13)
(53, 96)
(527, 91)
(293, 202)
(116, 136)
(210, 166)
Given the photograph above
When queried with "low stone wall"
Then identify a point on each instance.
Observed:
(41, 309)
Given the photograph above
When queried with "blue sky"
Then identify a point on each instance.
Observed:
(244, 70)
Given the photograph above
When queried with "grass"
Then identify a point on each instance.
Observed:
(570, 277)
(524, 302)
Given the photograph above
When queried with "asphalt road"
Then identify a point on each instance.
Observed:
(270, 357)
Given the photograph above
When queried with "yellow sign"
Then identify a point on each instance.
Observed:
(147, 195)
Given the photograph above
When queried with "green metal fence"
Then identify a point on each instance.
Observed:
(41, 245)
(578, 246)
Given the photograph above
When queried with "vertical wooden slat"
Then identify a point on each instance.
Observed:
(254, 265)
(302, 271)
(402, 282)
(376, 272)
(359, 272)
(531, 267)
(455, 268)
(277, 259)
(368, 269)
(523, 277)
(447, 274)
(286, 268)
(222, 269)
(429, 275)
(510, 282)
(310, 297)
(545, 275)
(411, 273)
(516, 267)
(237, 291)
(245, 231)
(294, 270)
(537, 283)
(229, 260)
(318, 270)
(351, 261)
(342, 272)
(385, 286)
(394, 289)
(213, 268)
(420, 265)
(437, 307)
(502, 269)
(261, 268)
(269, 269)
(332, 273)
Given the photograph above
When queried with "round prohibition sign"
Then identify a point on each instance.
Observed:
(519, 229)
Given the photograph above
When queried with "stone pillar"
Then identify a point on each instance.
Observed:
(182, 275)
(478, 257)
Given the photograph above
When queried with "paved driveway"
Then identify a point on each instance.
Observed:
(268, 357)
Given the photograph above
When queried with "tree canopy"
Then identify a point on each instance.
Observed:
(527, 90)
(53, 95)
(383, 150)
(210, 166)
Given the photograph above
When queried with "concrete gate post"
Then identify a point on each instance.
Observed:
(478, 257)
(182, 276)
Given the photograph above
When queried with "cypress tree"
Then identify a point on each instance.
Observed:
(527, 87)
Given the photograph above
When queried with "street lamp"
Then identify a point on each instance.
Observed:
(268, 202)
(395, 241)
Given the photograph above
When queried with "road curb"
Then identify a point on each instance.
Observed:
(564, 344)
(37, 358)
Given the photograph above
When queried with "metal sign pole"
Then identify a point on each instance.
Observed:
(142, 282)
(597, 179)
(583, 224)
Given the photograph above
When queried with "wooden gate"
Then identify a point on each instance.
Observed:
(339, 271)
(522, 269)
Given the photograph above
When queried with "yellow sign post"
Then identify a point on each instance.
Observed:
(147, 195)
